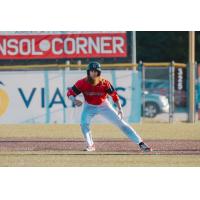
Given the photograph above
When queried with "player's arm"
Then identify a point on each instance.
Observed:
(73, 92)
(113, 93)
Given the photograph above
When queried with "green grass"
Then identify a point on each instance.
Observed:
(146, 130)
(27, 160)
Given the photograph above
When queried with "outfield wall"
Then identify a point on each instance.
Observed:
(40, 96)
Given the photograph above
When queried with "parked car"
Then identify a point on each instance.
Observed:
(154, 104)
(161, 87)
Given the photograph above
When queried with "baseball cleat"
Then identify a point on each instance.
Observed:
(144, 147)
(90, 148)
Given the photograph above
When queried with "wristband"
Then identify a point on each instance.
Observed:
(72, 98)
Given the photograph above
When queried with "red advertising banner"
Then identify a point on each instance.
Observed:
(55, 46)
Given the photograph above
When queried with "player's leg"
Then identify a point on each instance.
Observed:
(110, 113)
(87, 114)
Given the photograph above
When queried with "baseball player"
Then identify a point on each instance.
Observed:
(95, 90)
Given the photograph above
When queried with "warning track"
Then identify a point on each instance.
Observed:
(112, 146)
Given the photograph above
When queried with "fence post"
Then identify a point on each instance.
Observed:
(141, 69)
(191, 77)
(171, 91)
(198, 90)
(64, 92)
(46, 83)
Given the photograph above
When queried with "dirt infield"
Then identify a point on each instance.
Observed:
(174, 145)
(114, 146)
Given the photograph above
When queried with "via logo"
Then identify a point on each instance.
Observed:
(4, 100)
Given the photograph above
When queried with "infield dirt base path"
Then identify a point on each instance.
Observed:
(111, 146)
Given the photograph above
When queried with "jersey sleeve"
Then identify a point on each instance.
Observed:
(75, 89)
(112, 92)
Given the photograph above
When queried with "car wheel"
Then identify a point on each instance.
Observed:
(151, 110)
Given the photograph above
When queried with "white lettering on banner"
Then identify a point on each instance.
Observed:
(34, 52)
(54, 42)
(59, 46)
(81, 46)
(25, 43)
(180, 78)
(117, 46)
(12, 45)
(93, 45)
(3, 48)
(73, 47)
(22, 47)
(105, 44)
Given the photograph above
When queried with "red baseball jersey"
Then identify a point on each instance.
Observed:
(94, 94)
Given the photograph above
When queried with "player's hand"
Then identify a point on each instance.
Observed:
(77, 102)
(120, 113)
